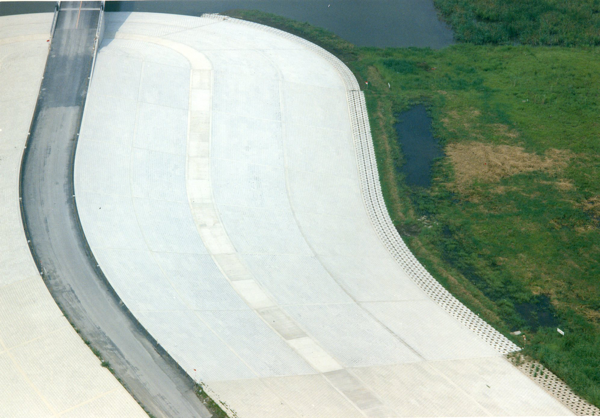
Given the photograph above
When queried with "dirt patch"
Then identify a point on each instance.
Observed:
(483, 162)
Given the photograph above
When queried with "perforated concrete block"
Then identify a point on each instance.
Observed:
(500, 389)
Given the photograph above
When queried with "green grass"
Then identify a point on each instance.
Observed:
(213, 407)
(521, 250)
(527, 22)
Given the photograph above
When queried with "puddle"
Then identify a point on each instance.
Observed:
(418, 145)
(538, 313)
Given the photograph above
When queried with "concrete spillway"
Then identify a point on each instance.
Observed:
(229, 204)
(57, 240)
(222, 181)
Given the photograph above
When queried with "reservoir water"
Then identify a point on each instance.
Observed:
(378, 23)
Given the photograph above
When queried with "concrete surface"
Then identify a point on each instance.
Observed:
(57, 241)
(242, 242)
(46, 370)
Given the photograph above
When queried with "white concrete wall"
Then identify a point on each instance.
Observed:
(217, 184)
(46, 369)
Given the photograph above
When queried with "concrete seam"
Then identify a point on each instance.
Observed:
(26, 378)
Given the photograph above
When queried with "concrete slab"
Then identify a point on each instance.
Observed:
(45, 367)
(34, 298)
(167, 134)
(351, 335)
(262, 231)
(255, 343)
(18, 397)
(268, 276)
(313, 396)
(252, 398)
(145, 280)
(199, 282)
(48, 361)
(296, 279)
(500, 388)
(404, 320)
(210, 356)
(154, 90)
(252, 185)
(371, 278)
(255, 141)
(155, 175)
(417, 389)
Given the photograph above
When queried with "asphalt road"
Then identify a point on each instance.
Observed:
(57, 240)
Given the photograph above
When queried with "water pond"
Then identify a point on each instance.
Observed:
(418, 145)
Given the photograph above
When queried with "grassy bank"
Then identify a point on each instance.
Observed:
(527, 22)
(510, 224)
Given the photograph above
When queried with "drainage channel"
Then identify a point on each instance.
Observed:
(57, 241)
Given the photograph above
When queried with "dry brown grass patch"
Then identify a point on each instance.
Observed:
(504, 131)
(592, 205)
(484, 162)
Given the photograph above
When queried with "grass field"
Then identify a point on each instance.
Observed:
(511, 223)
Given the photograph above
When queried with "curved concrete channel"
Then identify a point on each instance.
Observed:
(57, 240)
(222, 181)
(229, 205)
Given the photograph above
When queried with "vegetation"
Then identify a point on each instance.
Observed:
(511, 223)
(213, 407)
(526, 22)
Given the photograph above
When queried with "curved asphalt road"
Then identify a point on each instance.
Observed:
(56, 238)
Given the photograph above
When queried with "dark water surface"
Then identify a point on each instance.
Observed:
(379, 23)
(418, 145)
(24, 7)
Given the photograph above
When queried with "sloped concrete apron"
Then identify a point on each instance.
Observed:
(233, 203)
